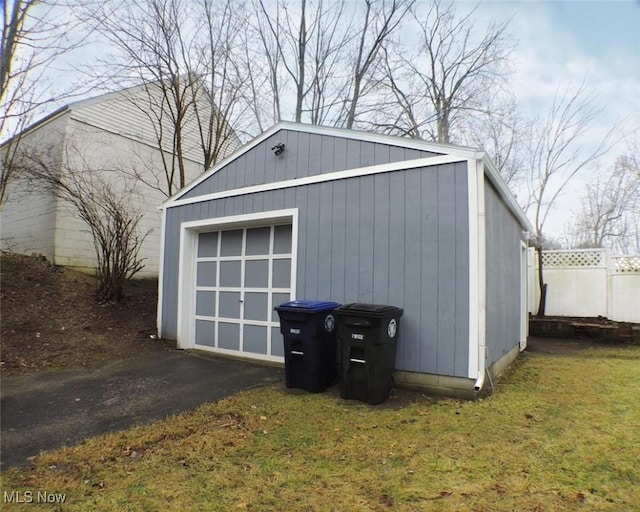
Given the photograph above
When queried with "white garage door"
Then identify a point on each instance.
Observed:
(241, 274)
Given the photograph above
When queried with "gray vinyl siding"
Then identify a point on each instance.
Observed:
(503, 236)
(305, 154)
(399, 238)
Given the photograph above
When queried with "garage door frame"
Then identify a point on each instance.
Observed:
(187, 263)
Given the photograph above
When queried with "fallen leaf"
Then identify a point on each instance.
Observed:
(387, 500)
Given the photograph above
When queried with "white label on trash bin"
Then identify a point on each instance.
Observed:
(329, 323)
(294, 331)
(357, 336)
(393, 328)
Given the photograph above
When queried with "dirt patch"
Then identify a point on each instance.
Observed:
(50, 319)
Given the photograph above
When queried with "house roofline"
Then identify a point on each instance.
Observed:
(503, 191)
(74, 105)
(37, 124)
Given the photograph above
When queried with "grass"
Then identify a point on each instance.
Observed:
(560, 433)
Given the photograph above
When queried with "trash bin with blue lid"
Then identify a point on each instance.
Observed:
(367, 339)
(309, 331)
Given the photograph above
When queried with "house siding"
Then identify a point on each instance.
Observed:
(28, 216)
(305, 154)
(115, 159)
(114, 138)
(130, 113)
(399, 238)
(503, 237)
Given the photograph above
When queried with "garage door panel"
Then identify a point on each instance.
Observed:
(231, 274)
(229, 306)
(256, 306)
(277, 342)
(282, 239)
(231, 243)
(255, 339)
(205, 303)
(206, 273)
(258, 241)
(276, 300)
(207, 245)
(229, 336)
(282, 273)
(256, 274)
(205, 333)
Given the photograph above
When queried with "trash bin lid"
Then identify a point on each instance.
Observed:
(307, 306)
(369, 310)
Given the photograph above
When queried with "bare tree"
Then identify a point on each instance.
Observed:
(35, 34)
(610, 208)
(500, 131)
(304, 44)
(453, 74)
(324, 53)
(185, 53)
(556, 156)
(381, 19)
(105, 206)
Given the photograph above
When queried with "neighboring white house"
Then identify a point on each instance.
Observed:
(112, 133)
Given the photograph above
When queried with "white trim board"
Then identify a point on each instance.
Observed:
(163, 229)
(321, 178)
(477, 271)
(496, 180)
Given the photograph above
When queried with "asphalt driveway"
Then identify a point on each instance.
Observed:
(49, 410)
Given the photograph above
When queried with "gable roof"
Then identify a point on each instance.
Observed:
(446, 150)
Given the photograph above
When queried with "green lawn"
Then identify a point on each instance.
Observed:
(561, 432)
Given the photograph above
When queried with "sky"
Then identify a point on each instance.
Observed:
(562, 43)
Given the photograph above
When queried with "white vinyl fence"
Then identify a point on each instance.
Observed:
(587, 283)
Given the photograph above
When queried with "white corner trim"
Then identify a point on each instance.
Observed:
(186, 281)
(187, 256)
(524, 295)
(163, 224)
(477, 271)
(320, 178)
(472, 191)
(421, 145)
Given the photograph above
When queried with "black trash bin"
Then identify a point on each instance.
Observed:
(309, 331)
(367, 339)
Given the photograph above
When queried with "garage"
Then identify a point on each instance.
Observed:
(311, 212)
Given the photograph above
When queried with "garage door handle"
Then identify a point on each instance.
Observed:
(240, 300)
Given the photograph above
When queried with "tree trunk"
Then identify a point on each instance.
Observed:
(542, 304)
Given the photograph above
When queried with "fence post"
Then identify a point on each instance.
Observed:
(610, 262)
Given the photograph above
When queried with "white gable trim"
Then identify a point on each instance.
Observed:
(321, 178)
(421, 145)
(461, 152)
(503, 191)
